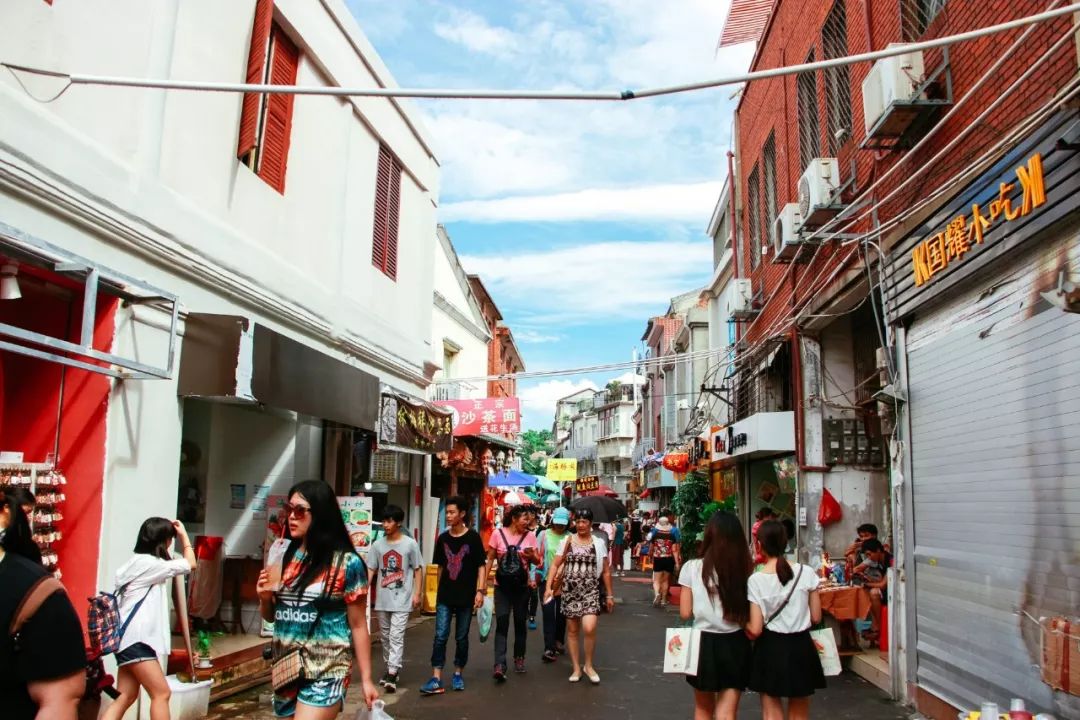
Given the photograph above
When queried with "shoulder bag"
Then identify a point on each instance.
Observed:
(794, 584)
(289, 668)
(558, 578)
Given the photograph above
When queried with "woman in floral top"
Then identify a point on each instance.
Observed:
(319, 608)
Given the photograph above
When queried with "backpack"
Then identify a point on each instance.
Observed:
(103, 625)
(510, 571)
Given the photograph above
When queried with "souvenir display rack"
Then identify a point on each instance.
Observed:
(48, 485)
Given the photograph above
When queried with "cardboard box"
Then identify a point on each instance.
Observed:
(1061, 654)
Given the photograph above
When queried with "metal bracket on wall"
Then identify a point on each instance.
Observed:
(26, 249)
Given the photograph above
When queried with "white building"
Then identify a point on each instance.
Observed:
(287, 243)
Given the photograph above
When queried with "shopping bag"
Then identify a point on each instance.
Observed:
(825, 642)
(274, 556)
(830, 511)
(483, 618)
(682, 647)
(377, 712)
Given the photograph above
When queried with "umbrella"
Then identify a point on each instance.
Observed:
(552, 498)
(511, 478)
(603, 490)
(544, 484)
(516, 498)
(604, 509)
(532, 496)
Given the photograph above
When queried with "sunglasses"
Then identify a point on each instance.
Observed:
(298, 511)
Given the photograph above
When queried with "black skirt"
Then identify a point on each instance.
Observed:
(786, 665)
(723, 662)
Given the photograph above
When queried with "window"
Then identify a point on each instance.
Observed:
(384, 244)
(266, 120)
(809, 129)
(769, 164)
(837, 80)
(917, 15)
(753, 210)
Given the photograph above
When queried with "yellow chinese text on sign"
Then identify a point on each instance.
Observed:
(562, 469)
(961, 235)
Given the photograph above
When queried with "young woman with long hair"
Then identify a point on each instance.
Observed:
(15, 534)
(320, 607)
(784, 603)
(141, 583)
(714, 594)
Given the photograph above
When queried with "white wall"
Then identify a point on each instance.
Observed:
(471, 360)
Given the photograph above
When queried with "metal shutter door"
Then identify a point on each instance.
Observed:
(994, 387)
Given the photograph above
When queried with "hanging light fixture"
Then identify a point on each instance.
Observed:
(9, 283)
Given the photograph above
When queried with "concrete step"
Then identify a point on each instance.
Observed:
(873, 668)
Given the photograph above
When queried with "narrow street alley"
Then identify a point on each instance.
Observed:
(632, 685)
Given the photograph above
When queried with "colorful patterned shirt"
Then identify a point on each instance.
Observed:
(326, 648)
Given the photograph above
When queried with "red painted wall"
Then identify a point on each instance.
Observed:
(33, 410)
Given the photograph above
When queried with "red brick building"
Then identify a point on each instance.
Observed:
(503, 355)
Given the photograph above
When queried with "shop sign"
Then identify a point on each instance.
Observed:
(495, 416)
(418, 426)
(962, 235)
(589, 483)
(760, 434)
(562, 469)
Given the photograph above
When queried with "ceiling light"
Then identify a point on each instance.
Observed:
(9, 284)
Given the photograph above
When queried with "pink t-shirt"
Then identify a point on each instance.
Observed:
(523, 542)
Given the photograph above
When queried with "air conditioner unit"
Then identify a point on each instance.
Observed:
(786, 229)
(817, 188)
(891, 80)
(739, 304)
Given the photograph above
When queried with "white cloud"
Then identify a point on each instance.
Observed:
(538, 401)
(654, 203)
(529, 337)
(615, 280)
(474, 33)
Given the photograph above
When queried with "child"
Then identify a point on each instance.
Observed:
(871, 573)
(395, 559)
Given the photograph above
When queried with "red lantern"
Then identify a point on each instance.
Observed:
(678, 462)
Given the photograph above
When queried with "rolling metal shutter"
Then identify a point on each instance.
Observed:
(994, 390)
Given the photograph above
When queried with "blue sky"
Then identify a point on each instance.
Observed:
(583, 219)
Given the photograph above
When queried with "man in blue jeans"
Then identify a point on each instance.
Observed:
(459, 553)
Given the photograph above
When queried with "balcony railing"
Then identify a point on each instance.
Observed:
(641, 448)
(581, 453)
(450, 391)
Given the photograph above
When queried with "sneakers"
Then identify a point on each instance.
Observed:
(532, 623)
(457, 682)
(519, 665)
(389, 682)
(549, 656)
(560, 649)
(500, 673)
(382, 680)
(434, 686)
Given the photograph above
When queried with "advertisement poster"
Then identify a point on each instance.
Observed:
(562, 470)
(237, 497)
(259, 495)
(357, 512)
(497, 416)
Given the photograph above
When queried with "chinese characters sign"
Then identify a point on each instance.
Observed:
(496, 416)
(414, 425)
(963, 234)
(589, 483)
(562, 469)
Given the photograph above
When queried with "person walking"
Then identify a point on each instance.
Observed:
(618, 546)
(319, 609)
(141, 584)
(511, 550)
(664, 548)
(554, 621)
(43, 675)
(534, 570)
(394, 563)
(714, 594)
(459, 554)
(784, 603)
(584, 555)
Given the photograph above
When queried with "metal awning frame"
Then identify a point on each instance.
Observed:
(95, 277)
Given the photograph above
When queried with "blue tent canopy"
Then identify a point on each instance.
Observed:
(511, 478)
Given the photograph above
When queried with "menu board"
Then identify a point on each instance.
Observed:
(357, 512)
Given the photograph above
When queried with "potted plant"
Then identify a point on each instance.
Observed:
(202, 648)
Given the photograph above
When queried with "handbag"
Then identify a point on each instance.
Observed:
(559, 577)
(794, 584)
(825, 642)
(682, 648)
(289, 668)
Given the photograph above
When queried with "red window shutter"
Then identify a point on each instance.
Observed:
(279, 108)
(392, 221)
(249, 115)
(382, 206)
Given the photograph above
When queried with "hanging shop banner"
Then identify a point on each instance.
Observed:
(414, 424)
(494, 416)
(589, 483)
(562, 469)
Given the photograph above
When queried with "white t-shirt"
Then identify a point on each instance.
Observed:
(765, 591)
(150, 624)
(708, 612)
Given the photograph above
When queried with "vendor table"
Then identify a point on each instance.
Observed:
(845, 602)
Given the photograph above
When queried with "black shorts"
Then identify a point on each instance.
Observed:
(135, 653)
(663, 564)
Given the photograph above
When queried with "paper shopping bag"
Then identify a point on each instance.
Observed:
(825, 642)
(682, 647)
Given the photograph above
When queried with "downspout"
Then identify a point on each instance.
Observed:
(797, 378)
(736, 246)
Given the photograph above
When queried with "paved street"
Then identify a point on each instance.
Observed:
(628, 660)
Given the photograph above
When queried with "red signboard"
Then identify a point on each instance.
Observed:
(494, 416)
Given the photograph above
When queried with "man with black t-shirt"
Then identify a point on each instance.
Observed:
(459, 553)
(46, 669)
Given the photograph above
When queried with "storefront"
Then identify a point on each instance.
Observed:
(984, 306)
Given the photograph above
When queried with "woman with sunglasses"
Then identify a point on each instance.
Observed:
(582, 563)
(320, 608)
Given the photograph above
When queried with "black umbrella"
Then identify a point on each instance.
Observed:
(604, 509)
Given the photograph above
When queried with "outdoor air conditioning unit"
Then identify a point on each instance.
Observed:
(892, 84)
(739, 304)
(786, 231)
(817, 188)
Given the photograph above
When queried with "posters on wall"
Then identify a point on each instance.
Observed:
(357, 514)
(237, 496)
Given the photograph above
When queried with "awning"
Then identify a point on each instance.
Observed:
(745, 21)
(231, 357)
(409, 424)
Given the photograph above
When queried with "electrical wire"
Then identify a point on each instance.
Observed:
(491, 94)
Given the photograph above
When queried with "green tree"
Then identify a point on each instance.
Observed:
(536, 447)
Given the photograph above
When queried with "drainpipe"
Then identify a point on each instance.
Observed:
(797, 378)
(735, 244)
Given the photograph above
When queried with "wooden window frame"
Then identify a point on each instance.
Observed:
(834, 44)
(387, 213)
(806, 97)
(768, 176)
(753, 211)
